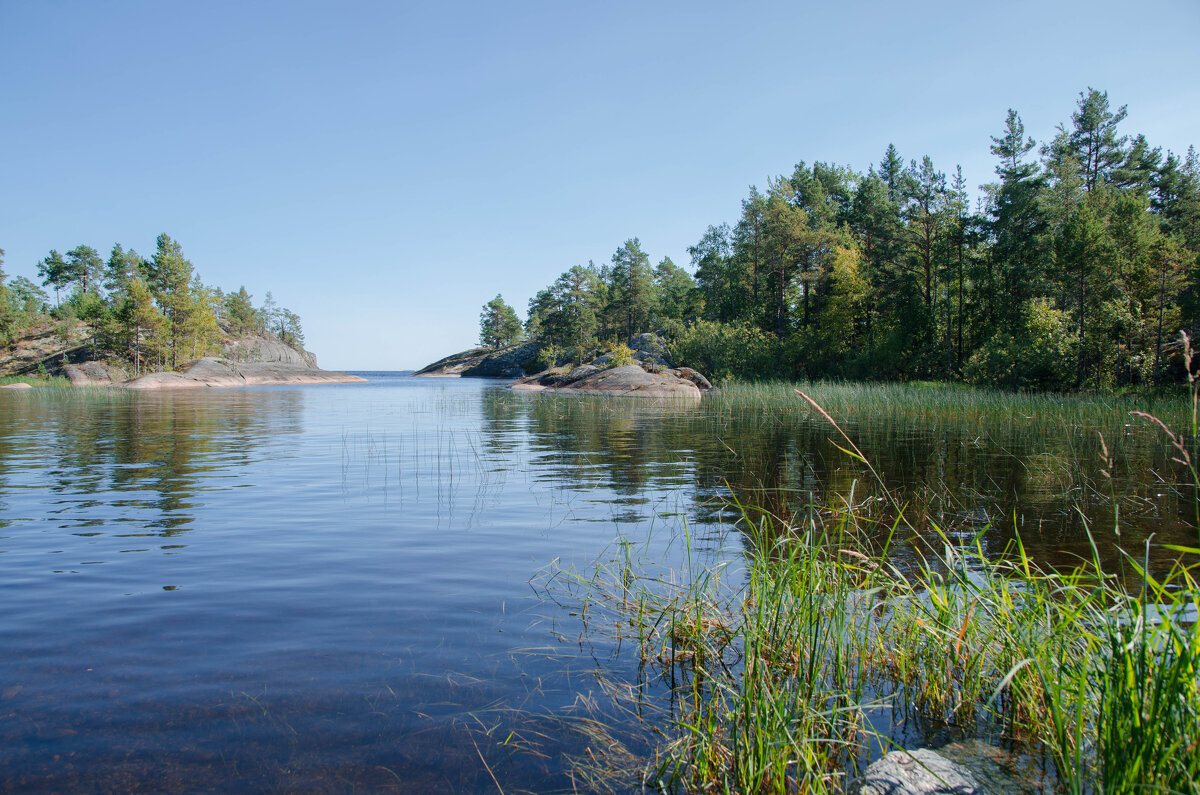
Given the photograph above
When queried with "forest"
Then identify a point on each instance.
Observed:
(1076, 268)
(155, 313)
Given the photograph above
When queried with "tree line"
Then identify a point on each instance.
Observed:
(1075, 268)
(155, 312)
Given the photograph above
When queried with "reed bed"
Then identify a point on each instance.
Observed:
(791, 668)
(57, 381)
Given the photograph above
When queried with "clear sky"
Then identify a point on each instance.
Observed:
(387, 168)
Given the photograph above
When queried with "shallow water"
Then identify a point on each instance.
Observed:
(326, 588)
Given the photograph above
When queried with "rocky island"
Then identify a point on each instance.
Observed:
(644, 368)
(258, 359)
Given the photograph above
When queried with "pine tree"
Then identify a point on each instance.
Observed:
(54, 272)
(1018, 225)
(170, 283)
(140, 319)
(676, 292)
(632, 286)
(239, 310)
(84, 267)
(1093, 138)
(714, 277)
(498, 324)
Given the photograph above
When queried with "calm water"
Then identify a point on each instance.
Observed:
(328, 588)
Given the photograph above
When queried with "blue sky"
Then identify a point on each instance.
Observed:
(386, 168)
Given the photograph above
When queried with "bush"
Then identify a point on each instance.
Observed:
(1043, 356)
(620, 355)
(547, 357)
(725, 350)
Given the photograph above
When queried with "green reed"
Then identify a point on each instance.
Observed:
(791, 676)
(56, 381)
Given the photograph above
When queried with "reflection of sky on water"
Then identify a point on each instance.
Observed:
(313, 585)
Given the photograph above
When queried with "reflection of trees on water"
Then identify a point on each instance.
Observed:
(153, 449)
(966, 477)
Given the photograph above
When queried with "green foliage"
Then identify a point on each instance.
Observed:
(621, 355)
(1041, 355)
(890, 275)
(548, 357)
(141, 323)
(631, 288)
(727, 350)
(54, 272)
(498, 324)
(239, 311)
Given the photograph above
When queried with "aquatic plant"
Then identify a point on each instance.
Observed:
(827, 652)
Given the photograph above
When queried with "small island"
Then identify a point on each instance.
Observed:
(642, 368)
(146, 324)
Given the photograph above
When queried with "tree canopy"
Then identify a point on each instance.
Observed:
(1076, 268)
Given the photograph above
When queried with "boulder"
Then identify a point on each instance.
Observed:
(689, 374)
(511, 362)
(93, 373)
(628, 379)
(18, 385)
(651, 348)
(920, 772)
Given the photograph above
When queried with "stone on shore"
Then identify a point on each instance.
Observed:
(628, 379)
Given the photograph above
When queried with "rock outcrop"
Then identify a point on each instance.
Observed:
(513, 361)
(267, 349)
(629, 379)
(93, 373)
(652, 373)
(210, 372)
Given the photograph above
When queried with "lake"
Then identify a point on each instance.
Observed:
(344, 587)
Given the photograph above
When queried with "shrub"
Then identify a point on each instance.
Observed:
(1042, 356)
(725, 350)
(547, 357)
(620, 355)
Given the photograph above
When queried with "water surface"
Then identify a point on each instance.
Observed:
(327, 588)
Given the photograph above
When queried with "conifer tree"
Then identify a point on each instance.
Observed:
(632, 286)
(498, 324)
(140, 319)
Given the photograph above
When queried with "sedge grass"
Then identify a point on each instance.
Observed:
(56, 381)
(826, 652)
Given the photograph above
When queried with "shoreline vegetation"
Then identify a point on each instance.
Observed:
(1075, 270)
(140, 323)
(793, 667)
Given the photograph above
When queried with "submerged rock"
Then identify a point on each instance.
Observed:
(970, 766)
(920, 772)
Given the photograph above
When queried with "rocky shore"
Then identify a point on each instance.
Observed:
(649, 371)
(210, 372)
(255, 360)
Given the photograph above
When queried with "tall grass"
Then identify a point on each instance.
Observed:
(35, 380)
(825, 653)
